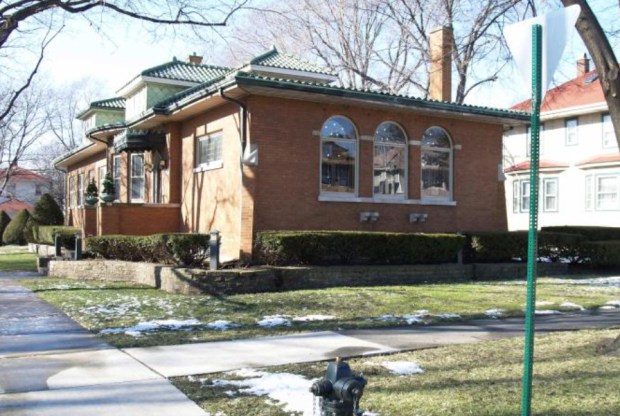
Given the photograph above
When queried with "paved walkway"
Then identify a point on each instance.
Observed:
(49, 365)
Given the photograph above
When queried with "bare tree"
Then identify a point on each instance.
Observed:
(23, 125)
(384, 44)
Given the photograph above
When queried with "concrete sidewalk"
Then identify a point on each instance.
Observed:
(212, 357)
(49, 365)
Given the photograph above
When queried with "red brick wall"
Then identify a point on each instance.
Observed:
(211, 199)
(287, 178)
(137, 219)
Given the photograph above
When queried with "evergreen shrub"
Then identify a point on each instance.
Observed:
(176, 249)
(47, 212)
(4, 221)
(350, 247)
(14, 231)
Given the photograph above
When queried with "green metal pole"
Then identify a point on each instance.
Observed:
(532, 243)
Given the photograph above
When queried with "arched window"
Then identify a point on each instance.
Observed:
(436, 164)
(338, 156)
(390, 160)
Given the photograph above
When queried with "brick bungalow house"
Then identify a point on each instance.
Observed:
(273, 145)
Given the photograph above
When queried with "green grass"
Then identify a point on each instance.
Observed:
(101, 305)
(17, 261)
(573, 376)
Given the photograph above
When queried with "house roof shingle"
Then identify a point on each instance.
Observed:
(13, 206)
(276, 59)
(577, 92)
(19, 174)
(542, 164)
(600, 159)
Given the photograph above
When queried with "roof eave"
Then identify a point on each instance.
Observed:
(454, 110)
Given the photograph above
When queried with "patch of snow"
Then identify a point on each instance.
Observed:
(402, 368)
(308, 318)
(615, 303)
(544, 303)
(164, 324)
(387, 318)
(413, 319)
(448, 316)
(274, 320)
(494, 313)
(607, 307)
(546, 312)
(286, 389)
(222, 325)
(571, 305)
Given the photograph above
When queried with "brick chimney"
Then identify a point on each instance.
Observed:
(583, 66)
(194, 59)
(440, 78)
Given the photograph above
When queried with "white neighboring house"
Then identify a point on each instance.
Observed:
(579, 159)
(23, 190)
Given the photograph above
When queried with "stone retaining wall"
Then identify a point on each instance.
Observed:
(270, 279)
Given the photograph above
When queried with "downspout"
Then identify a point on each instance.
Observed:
(107, 151)
(242, 119)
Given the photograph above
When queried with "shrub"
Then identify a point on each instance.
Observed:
(31, 230)
(47, 212)
(4, 221)
(498, 247)
(602, 253)
(45, 235)
(348, 247)
(14, 231)
(180, 249)
(590, 233)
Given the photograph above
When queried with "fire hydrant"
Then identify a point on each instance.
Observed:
(339, 392)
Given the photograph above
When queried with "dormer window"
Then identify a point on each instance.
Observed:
(136, 103)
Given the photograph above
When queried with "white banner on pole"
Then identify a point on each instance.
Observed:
(557, 29)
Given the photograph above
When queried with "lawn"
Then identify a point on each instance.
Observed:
(573, 375)
(129, 315)
(14, 260)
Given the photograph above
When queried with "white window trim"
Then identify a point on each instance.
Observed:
(596, 191)
(365, 200)
(557, 194)
(120, 177)
(566, 128)
(213, 164)
(339, 196)
(131, 177)
(80, 190)
(614, 142)
(405, 148)
(450, 151)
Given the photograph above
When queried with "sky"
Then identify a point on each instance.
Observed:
(125, 48)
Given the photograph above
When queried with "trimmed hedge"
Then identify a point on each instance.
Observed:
(603, 253)
(14, 231)
(178, 249)
(590, 233)
(349, 247)
(498, 247)
(44, 234)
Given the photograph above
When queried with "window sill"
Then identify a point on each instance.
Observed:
(218, 164)
(397, 201)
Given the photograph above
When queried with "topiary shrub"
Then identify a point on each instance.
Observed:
(4, 221)
(178, 249)
(14, 231)
(31, 230)
(349, 247)
(47, 212)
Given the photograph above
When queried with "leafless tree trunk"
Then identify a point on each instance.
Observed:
(604, 59)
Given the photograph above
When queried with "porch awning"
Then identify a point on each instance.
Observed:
(137, 140)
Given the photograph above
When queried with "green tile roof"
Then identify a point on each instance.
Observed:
(276, 59)
(116, 103)
(183, 71)
(377, 96)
